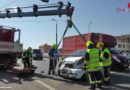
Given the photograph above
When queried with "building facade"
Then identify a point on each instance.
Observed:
(45, 49)
(123, 43)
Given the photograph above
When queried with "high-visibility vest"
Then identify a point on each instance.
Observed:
(93, 62)
(26, 55)
(106, 62)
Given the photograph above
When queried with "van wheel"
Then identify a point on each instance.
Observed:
(85, 77)
(122, 69)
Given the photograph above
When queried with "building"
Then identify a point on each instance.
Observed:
(45, 49)
(123, 43)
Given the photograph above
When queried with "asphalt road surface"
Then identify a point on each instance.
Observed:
(42, 81)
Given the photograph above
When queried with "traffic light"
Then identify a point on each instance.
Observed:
(60, 7)
(19, 11)
(35, 9)
(45, 1)
(7, 13)
(68, 7)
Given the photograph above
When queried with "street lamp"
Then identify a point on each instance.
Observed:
(56, 30)
(89, 26)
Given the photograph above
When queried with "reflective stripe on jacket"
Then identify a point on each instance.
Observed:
(27, 55)
(106, 62)
(93, 62)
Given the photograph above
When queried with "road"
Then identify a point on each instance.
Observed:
(42, 81)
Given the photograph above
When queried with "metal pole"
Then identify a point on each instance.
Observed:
(19, 35)
(89, 26)
(56, 32)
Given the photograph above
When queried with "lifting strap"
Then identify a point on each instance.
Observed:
(66, 31)
(79, 33)
(63, 35)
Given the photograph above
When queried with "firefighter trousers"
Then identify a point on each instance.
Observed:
(27, 64)
(95, 78)
(52, 65)
(106, 73)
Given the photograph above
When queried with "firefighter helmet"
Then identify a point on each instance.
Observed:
(89, 43)
(29, 48)
(54, 46)
(100, 45)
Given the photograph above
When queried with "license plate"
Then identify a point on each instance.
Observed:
(71, 76)
(125, 65)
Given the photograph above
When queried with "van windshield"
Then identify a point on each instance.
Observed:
(81, 52)
(114, 50)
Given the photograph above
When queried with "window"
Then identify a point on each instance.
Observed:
(119, 46)
(123, 46)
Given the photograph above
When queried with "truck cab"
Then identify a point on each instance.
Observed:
(36, 54)
(10, 49)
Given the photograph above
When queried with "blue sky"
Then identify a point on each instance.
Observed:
(102, 13)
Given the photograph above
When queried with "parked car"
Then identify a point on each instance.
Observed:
(119, 60)
(36, 54)
(72, 66)
(128, 58)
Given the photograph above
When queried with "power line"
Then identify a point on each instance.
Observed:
(12, 2)
(36, 21)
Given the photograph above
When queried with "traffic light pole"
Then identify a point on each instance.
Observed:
(35, 12)
(29, 14)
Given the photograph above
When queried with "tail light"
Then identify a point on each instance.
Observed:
(14, 60)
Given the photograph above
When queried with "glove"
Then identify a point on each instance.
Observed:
(23, 60)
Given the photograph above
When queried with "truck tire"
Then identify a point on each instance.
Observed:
(59, 72)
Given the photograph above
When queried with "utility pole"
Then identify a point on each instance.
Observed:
(56, 31)
(89, 26)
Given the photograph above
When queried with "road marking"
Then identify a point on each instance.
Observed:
(44, 84)
(5, 87)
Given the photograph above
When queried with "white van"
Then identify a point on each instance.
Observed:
(72, 66)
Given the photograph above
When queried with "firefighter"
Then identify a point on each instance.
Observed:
(27, 58)
(106, 62)
(91, 63)
(53, 59)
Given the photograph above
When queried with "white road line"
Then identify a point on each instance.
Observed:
(44, 84)
(5, 87)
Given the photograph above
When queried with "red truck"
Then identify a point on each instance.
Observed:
(73, 43)
(9, 49)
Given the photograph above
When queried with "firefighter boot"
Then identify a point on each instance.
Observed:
(53, 72)
(99, 86)
(49, 72)
(92, 87)
(107, 83)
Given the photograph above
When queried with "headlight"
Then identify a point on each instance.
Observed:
(116, 59)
